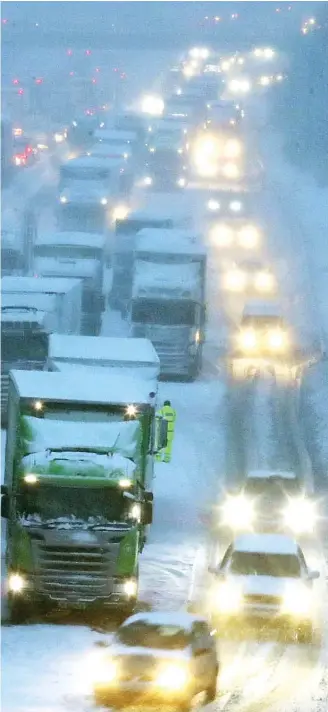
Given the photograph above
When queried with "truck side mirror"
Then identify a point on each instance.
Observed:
(147, 513)
(5, 506)
(149, 497)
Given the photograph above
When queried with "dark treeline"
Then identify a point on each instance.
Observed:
(301, 111)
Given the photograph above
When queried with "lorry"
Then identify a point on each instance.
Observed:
(168, 299)
(71, 245)
(67, 293)
(125, 237)
(90, 272)
(166, 169)
(78, 488)
(18, 233)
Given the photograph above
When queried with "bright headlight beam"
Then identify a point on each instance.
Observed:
(16, 583)
(238, 512)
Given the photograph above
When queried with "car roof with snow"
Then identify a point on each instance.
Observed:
(103, 348)
(83, 239)
(168, 241)
(179, 619)
(95, 389)
(269, 474)
(37, 285)
(265, 544)
(258, 308)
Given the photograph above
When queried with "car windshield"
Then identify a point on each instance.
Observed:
(164, 312)
(148, 635)
(246, 563)
(273, 487)
(52, 502)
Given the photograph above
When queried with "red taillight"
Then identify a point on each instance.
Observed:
(28, 150)
(15, 81)
(20, 92)
(88, 52)
(94, 81)
(69, 52)
(39, 80)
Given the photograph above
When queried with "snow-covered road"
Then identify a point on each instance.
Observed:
(45, 665)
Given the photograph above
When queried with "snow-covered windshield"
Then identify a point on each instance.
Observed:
(169, 312)
(147, 635)
(48, 502)
(73, 251)
(250, 563)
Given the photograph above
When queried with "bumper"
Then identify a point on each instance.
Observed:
(64, 597)
(263, 614)
(141, 691)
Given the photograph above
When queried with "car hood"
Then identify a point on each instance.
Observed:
(263, 585)
(120, 650)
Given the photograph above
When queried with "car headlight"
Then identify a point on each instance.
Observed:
(181, 182)
(238, 512)
(249, 237)
(277, 340)
(59, 137)
(103, 671)
(231, 170)
(16, 583)
(235, 281)
(148, 180)
(228, 597)
(297, 601)
(248, 340)
(172, 677)
(63, 199)
(222, 235)
(264, 282)
(235, 206)
(152, 149)
(232, 149)
(213, 205)
(104, 201)
(180, 150)
(300, 515)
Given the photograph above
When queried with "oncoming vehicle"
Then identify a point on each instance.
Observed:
(270, 501)
(222, 114)
(265, 578)
(158, 657)
(263, 331)
(250, 278)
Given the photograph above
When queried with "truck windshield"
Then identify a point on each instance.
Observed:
(170, 312)
(21, 345)
(94, 174)
(74, 251)
(52, 502)
(273, 487)
(80, 217)
(248, 563)
(131, 227)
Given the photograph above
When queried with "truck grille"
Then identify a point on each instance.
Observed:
(75, 573)
(263, 600)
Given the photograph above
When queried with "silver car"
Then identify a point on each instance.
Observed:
(158, 657)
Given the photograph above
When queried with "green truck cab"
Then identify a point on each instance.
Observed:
(78, 488)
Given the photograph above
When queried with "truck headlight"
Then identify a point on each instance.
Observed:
(222, 235)
(63, 199)
(235, 281)
(229, 597)
(16, 583)
(148, 180)
(59, 137)
(277, 340)
(235, 206)
(231, 170)
(181, 182)
(238, 512)
(248, 340)
(264, 282)
(232, 149)
(104, 201)
(297, 601)
(213, 205)
(104, 671)
(249, 237)
(172, 677)
(131, 588)
(300, 515)
(120, 212)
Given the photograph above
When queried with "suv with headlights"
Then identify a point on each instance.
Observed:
(264, 578)
(160, 657)
(270, 501)
(263, 331)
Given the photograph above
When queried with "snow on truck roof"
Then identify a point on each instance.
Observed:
(41, 302)
(50, 266)
(168, 241)
(269, 474)
(115, 134)
(183, 278)
(20, 315)
(134, 352)
(265, 544)
(38, 285)
(76, 239)
(97, 389)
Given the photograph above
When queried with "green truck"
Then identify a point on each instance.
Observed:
(77, 494)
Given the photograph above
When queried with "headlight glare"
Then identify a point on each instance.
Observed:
(248, 340)
(172, 677)
(297, 601)
(16, 583)
(229, 597)
(238, 512)
(300, 515)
